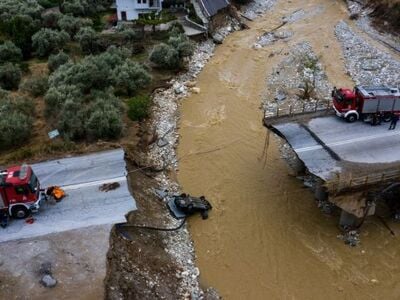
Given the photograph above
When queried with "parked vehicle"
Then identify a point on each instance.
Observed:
(366, 103)
(20, 192)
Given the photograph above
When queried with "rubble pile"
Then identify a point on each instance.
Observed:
(366, 64)
(257, 7)
(298, 83)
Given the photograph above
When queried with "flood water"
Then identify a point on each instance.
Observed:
(265, 238)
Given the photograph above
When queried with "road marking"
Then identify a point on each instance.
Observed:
(94, 183)
(350, 141)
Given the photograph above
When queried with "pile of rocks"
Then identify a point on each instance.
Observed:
(300, 73)
(257, 8)
(367, 65)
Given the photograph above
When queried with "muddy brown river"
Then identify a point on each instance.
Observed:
(265, 238)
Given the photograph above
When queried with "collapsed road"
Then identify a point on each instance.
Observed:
(85, 204)
(69, 238)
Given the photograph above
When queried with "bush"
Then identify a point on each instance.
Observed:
(182, 44)
(36, 86)
(75, 7)
(130, 77)
(46, 41)
(71, 24)
(104, 121)
(57, 60)
(138, 108)
(10, 76)
(20, 29)
(15, 121)
(170, 56)
(10, 53)
(57, 96)
(50, 20)
(48, 3)
(15, 128)
(165, 56)
(88, 40)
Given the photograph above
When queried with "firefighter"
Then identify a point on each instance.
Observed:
(393, 124)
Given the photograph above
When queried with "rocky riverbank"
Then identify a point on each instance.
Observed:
(127, 277)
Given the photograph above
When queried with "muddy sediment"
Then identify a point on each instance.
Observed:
(265, 237)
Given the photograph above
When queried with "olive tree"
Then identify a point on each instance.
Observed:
(57, 60)
(46, 41)
(130, 77)
(10, 76)
(88, 40)
(36, 86)
(165, 56)
(71, 24)
(10, 53)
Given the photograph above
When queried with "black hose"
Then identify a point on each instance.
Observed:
(119, 226)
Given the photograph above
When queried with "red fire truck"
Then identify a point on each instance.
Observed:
(366, 102)
(20, 192)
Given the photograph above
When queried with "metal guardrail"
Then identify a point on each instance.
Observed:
(349, 182)
(300, 108)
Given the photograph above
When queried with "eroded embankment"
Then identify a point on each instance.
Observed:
(265, 238)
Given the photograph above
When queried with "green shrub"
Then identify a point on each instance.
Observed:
(10, 76)
(36, 86)
(171, 55)
(182, 44)
(165, 56)
(20, 29)
(71, 24)
(10, 53)
(57, 60)
(15, 129)
(130, 77)
(138, 108)
(56, 96)
(46, 41)
(15, 120)
(71, 120)
(50, 20)
(48, 3)
(88, 40)
(104, 121)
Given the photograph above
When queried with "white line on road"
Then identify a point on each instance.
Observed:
(350, 141)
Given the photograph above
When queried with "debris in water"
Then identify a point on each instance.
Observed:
(109, 186)
(351, 237)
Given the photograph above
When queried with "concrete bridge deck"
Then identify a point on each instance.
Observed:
(330, 147)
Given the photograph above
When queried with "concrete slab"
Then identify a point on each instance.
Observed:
(85, 205)
(358, 142)
(317, 160)
(325, 144)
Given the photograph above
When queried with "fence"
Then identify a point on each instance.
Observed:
(299, 108)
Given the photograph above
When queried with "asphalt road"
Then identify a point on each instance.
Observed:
(358, 141)
(325, 142)
(85, 205)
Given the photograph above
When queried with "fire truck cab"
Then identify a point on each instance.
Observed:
(20, 192)
(365, 102)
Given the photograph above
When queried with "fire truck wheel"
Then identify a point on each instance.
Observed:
(20, 212)
(351, 118)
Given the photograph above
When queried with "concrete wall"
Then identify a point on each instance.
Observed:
(133, 8)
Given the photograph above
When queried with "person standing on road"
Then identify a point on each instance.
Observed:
(393, 124)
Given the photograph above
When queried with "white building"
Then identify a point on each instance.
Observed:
(129, 10)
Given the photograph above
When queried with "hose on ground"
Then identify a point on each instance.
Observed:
(120, 226)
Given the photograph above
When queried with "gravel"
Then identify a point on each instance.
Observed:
(361, 13)
(257, 8)
(366, 64)
(288, 82)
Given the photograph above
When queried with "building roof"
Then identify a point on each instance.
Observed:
(211, 7)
